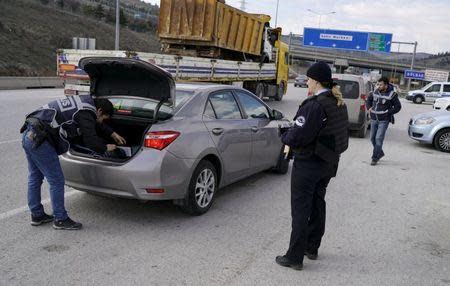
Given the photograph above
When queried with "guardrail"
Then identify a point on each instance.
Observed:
(12, 82)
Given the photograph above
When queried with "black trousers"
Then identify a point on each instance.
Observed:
(309, 181)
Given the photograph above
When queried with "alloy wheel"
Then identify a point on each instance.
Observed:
(204, 188)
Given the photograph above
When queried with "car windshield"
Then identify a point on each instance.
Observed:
(145, 108)
(349, 89)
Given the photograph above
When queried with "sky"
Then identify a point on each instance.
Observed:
(427, 22)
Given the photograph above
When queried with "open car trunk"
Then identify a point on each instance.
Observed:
(136, 89)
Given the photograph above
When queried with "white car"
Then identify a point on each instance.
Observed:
(442, 104)
(430, 92)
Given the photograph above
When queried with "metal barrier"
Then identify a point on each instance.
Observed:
(11, 82)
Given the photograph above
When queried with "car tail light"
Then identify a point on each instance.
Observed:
(363, 106)
(160, 139)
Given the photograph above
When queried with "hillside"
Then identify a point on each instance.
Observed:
(31, 32)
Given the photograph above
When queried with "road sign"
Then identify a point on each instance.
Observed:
(412, 74)
(347, 40)
(436, 75)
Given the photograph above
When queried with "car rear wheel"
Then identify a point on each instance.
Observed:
(418, 99)
(442, 140)
(362, 133)
(202, 189)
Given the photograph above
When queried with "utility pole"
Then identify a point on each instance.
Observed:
(276, 14)
(243, 2)
(117, 25)
(413, 56)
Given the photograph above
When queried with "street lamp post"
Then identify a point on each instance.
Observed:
(117, 25)
(320, 18)
(276, 14)
(321, 14)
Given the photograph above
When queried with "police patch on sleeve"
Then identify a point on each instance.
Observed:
(300, 121)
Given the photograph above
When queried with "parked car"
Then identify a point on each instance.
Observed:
(186, 140)
(301, 81)
(355, 90)
(431, 128)
(442, 104)
(430, 92)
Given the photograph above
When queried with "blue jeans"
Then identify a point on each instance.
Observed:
(43, 162)
(377, 133)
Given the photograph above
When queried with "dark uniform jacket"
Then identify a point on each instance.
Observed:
(384, 104)
(320, 129)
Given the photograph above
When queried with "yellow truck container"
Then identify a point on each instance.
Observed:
(210, 28)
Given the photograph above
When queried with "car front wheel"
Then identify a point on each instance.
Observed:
(442, 140)
(202, 188)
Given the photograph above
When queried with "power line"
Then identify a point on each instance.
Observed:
(243, 3)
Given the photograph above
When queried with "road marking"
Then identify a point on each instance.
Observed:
(9, 141)
(14, 212)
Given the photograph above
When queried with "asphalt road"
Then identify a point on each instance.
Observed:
(386, 225)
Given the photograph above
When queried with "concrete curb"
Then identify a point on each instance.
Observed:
(11, 82)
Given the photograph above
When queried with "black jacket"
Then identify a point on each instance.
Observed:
(384, 104)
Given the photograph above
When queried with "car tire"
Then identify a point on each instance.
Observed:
(418, 99)
(280, 92)
(448, 108)
(442, 140)
(195, 203)
(362, 133)
(282, 166)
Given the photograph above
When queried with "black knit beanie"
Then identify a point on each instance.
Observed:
(320, 72)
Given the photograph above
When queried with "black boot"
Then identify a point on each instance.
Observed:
(312, 255)
(286, 262)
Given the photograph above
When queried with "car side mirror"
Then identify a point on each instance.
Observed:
(277, 115)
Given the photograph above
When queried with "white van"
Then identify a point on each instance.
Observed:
(430, 92)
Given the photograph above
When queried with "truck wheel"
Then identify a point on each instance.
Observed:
(202, 189)
(418, 99)
(260, 90)
(442, 140)
(280, 92)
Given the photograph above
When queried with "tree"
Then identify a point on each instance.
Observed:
(60, 3)
(99, 12)
(110, 16)
(123, 19)
(45, 2)
(73, 5)
(87, 10)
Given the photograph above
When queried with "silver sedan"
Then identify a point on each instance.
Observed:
(432, 128)
(184, 142)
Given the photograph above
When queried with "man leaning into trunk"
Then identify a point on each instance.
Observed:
(47, 133)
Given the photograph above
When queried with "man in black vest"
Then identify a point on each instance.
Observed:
(382, 104)
(47, 133)
(318, 137)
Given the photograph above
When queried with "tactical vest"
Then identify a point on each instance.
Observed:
(60, 114)
(332, 139)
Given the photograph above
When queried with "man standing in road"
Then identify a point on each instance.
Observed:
(382, 104)
(46, 134)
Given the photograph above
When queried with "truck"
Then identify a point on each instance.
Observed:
(262, 70)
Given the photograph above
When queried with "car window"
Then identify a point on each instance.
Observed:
(434, 88)
(252, 106)
(209, 111)
(446, 87)
(225, 106)
(349, 89)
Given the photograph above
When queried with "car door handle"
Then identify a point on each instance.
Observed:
(217, 131)
(255, 129)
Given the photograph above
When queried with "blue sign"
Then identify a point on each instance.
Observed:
(412, 74)
(347, 40)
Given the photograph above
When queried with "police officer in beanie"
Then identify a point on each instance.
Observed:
(47, 133)
(317, 138)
